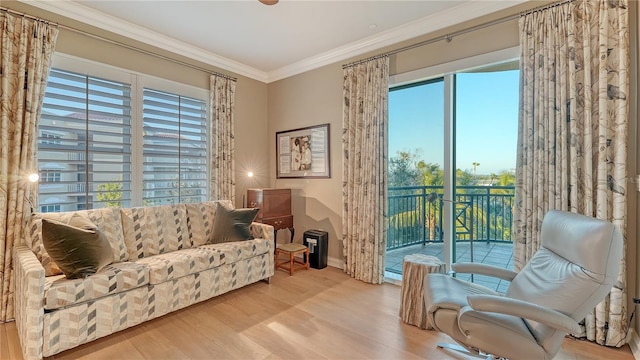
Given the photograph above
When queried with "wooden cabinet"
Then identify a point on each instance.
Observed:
(275, 207)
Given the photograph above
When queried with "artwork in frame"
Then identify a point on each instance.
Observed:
(303, 153)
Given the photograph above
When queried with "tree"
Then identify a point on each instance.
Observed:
(403, 170)
(464, 177)
(475, 168)
(506, 178)
(430, 174)
(110, 194)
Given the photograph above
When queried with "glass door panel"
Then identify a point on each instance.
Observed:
(416, 160)
(486, 125)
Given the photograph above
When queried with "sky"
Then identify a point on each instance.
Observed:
(486, 121)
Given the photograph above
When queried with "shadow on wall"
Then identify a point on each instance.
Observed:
(311, 214)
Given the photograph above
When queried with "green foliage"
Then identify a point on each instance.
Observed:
(403, 170)
(506, 178)
(485, 209)
(407, 169)
(431, 174)
(464, 178)
(110, 194)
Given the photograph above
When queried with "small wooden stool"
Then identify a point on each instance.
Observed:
(414, 269)
(292, 250)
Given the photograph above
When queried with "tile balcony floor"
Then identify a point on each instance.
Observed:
(492, 253)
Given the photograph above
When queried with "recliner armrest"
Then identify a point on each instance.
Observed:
(484, 269)
(524, 309)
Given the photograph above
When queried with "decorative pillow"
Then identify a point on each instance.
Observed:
(79, 248)
(232, 225)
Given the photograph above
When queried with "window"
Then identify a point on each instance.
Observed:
(50, 208)
(92, 149)
(50, 139)
(49, 176)
(175, 148)
(107, 139)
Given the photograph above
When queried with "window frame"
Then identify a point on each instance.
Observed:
(138, 82)
(447, 71)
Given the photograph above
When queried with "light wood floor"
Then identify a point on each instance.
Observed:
(314, 314)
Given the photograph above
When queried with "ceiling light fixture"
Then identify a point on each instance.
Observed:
(269, 2)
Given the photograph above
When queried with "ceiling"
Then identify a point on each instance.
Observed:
(269, 43)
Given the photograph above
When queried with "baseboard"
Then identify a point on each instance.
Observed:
(335, 262)
(634, 344)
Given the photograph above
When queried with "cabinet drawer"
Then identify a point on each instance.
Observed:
(281, 222)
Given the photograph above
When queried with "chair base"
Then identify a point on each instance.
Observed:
(462, 349)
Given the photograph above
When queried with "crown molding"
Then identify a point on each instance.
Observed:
(455, 15)
(463, 12)
(118, 26)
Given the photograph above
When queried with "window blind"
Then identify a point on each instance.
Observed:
(174, 148)
(84, 143)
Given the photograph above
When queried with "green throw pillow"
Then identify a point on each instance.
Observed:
(79, 248)
(232, 225)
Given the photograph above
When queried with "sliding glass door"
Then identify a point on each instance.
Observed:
(451, 168)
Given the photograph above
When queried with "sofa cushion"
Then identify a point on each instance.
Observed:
(200, 220)
(155, 230)
(60, 292)
(177, 264)
(232, 252)
(106, 219)
(79, 248)
(232, 224)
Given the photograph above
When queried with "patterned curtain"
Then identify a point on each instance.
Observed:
(364, 173)
(572, 135)
(25, 59)
(222, 98)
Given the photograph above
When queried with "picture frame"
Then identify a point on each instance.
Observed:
(303, 153)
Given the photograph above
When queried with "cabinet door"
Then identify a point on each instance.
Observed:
(276, 202)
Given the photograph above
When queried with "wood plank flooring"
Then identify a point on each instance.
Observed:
(314, 314)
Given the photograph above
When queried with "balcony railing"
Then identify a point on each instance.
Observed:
(481, 213)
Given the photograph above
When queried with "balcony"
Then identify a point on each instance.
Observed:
(483, 218)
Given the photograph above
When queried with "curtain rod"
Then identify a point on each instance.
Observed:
(449, 37)
(130, 47)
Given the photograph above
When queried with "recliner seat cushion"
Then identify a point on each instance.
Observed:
(492, 337)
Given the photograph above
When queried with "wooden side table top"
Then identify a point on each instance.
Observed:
(423, 259)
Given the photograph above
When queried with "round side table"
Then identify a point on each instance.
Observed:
(414, 269)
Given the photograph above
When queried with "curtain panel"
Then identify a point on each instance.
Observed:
(222, 95)
(364, 172)
(27, 46)
(572, 133)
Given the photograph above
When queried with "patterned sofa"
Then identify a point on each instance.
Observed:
(161, 263)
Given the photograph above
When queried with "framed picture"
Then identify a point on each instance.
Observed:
(303, 153)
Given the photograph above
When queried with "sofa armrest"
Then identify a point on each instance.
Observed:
(29, 301)
(263, 231)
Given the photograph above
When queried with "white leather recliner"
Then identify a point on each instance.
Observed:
(574, 269)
